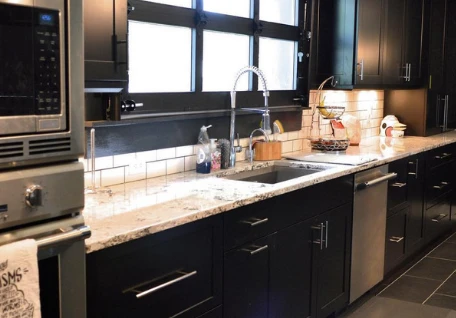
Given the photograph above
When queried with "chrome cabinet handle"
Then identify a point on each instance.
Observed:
(437, 112)
(364, 185)
(254, 222)
(442, 185)
(443, 156)
(396, 239)
(439, 218)
(321, 241)
(416, 168)
(361, 64)
(80, 233)
(410, 72)
(257, 249)
(327, 231)
(406, 78)
(169, 283)
(446, 112)
(399, 185)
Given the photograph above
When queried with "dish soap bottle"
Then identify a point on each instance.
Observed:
(203, 156)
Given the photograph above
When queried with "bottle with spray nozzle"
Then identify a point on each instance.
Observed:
(203, 155)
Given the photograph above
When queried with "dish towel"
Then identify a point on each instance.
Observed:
(19, 280)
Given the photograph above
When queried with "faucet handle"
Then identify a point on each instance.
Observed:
(238, 140)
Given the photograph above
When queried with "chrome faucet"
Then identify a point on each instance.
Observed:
(251, 140)
(266, 126)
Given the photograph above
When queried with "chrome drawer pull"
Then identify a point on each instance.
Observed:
(398, 185)
(257, 250)
(443, 156)
(171, 282)
(442, 185)
(396, 239)
(255, 222)
(321, 241)
(327, 229)
(439, 218)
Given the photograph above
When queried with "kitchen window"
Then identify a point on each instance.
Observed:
(184, 54)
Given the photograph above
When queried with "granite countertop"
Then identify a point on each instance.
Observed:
(141, 208)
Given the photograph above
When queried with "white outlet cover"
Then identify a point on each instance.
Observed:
(137, 166)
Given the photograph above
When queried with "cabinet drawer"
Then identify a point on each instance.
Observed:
(438, 219)
(163, 275)
(439, 156)
(398, 188)
(395, 239)
(250, 222)
(438, 183)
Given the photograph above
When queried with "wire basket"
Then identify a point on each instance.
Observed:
(326, 144)
(331, 112)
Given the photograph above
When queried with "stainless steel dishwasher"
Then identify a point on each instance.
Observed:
(369, 229)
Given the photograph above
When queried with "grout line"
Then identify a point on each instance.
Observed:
(435, 280)
(443, 259)
(438, 287)
(445, 295)
(408, 269)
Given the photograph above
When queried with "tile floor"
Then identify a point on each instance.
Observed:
(426, 289)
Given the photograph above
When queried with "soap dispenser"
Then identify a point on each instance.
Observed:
(203, 155)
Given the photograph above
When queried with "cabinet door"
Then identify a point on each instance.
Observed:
(369, 46)
(395, 239)
(438, 218)
(398, 188)
(333, 41)
(434, 113)
(413, 26)
(290, 290)
(415, 219)
(436, 45)
(105, 25)
(333, 261)
(246, 279)
(393, 67)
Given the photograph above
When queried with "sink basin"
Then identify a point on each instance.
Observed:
(278, 172)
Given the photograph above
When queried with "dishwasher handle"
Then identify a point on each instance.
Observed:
(370, 183)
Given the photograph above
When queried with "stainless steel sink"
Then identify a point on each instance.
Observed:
(279, 172)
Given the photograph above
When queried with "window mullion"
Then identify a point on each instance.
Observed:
(198, 49)
(256, 42)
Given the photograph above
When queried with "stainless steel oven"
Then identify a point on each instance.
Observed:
(61, 264)
(41, 81)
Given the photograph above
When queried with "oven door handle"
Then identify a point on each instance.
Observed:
(81, 233)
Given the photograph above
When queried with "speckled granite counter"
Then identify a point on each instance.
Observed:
(149, 206)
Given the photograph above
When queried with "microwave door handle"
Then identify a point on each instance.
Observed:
(80, 233)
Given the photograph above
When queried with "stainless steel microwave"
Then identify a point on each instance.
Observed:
(41, 81)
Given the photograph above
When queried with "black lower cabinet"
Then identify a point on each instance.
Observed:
(291, 275)
(247, 271)
(331, 263)
(172, 273)
(395, 239)
(299, 271)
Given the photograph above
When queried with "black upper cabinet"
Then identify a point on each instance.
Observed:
(369, 43)
(105, 42)
(333, 41)
(402, 42)
(437, 45)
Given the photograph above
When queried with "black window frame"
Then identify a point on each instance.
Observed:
(199, 20)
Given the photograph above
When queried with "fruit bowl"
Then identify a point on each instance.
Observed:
(329, 144)
(331, 112)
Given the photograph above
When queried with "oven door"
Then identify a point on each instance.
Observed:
(32, 72)
(61, 263)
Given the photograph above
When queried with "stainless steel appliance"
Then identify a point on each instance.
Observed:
(41, 140)
(369, 229)
(41, 81)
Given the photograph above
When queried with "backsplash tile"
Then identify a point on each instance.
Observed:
(367, 106)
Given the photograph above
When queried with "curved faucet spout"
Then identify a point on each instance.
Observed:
(266, 118)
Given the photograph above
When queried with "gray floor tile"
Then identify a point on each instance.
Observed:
(433, 268)
(442, 301)
(411, 289)
(446, 251)
(449, 287)
(379, 307)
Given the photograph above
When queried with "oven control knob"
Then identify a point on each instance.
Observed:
(34, 196)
